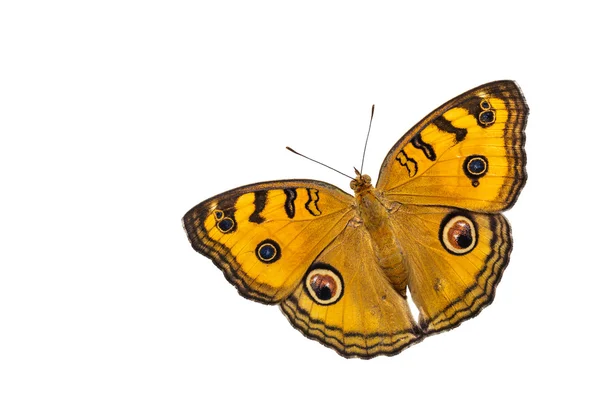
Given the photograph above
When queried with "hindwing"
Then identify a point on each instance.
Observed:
(346, 302)
(455, 259)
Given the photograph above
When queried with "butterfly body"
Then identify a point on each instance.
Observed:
(339, 266)
(373, 213)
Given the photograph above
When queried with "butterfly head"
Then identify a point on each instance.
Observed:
(361, 182)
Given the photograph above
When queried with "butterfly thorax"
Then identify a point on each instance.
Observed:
(374, 214)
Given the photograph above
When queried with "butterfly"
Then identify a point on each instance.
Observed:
(341, 267)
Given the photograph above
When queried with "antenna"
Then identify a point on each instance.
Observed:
(367, 140)
(318, 162)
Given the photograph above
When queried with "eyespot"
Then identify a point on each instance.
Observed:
(324, 284)
(268, 251)
(475, 167)
(458, 234)
(487, 117)
(219, 215)
(226, 224)
(485, 105)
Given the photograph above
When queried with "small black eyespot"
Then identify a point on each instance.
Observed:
(225, 225)
(487, 117)
(218, 214)
(268, 251)
(485, 105)
(476, 166)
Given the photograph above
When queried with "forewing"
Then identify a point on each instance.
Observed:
(468, 153)
(264, 236)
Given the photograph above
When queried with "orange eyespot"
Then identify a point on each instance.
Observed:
(324, 284)
(458, 234)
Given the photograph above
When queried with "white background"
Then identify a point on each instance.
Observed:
(116, 117)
